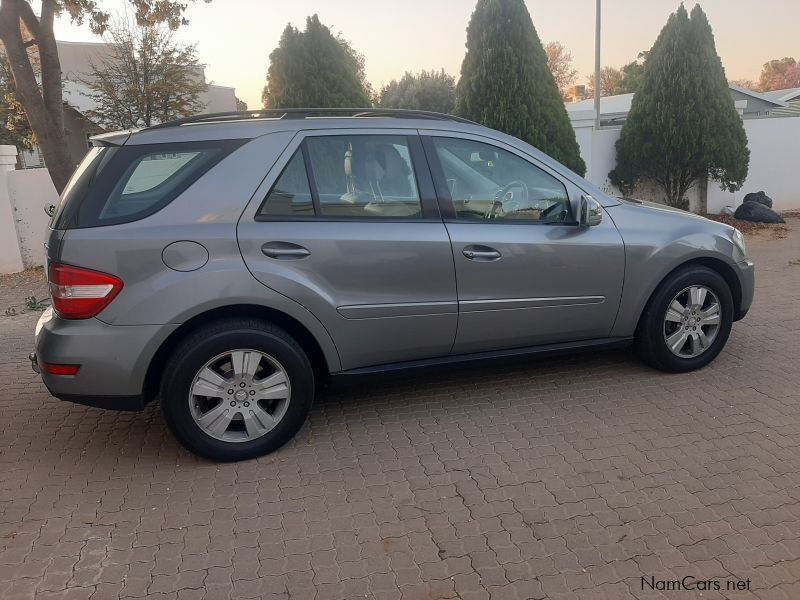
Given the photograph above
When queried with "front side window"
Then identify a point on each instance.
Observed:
(487, 182)
(353, 176)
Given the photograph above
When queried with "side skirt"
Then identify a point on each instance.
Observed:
(511, 353)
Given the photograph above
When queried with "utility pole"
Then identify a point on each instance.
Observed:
(597, 66)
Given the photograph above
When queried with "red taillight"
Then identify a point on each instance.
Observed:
(79, 293)
(59, 369)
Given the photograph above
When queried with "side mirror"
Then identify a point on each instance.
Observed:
(590, 212)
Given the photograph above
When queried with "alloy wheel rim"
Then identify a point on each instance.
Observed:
(239, 395)
(692, 321)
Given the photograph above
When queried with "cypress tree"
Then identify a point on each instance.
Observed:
(315, 69)
(506, 83)
(427, 90)
(683, 125)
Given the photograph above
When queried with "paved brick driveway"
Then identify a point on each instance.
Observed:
(564, 478)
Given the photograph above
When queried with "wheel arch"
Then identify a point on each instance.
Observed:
(715, 264)
(291, 325)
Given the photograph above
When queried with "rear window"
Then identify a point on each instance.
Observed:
(116, 185)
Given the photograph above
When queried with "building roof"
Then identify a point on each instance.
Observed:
(786, 95)
(609, 105)
(76, 57)
(758, 95)
(618, 107)
(77, 95)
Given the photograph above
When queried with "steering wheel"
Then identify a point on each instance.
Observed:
(504, 201)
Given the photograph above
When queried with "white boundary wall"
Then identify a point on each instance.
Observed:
(774, 165)
(10, 255)
(30, 191)
(24, 194)
(774, 162)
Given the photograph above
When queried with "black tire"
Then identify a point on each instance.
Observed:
(650, 344)
(216, 338)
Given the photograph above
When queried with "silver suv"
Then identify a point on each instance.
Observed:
(231, 263)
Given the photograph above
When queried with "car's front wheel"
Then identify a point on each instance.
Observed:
(236, 389)
(687, 320)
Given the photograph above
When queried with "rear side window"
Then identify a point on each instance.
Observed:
(123, 184)
(347, 177)
(291, 195)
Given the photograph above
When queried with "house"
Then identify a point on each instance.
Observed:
(791, 97)
(757, 104)
(76, 59)
(750, 105)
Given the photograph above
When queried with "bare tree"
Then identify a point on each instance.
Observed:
(748, 84)
(147, 78)
(559, 59)
(44, 104)
(610, 79)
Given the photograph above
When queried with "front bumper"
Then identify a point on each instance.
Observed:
(113, 359)
(747, 283)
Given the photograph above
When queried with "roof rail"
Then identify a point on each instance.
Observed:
(305, 113)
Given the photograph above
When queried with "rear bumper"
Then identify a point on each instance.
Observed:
(113, 359)
(130, 403)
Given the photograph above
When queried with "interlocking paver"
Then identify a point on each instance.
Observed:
(562, 478)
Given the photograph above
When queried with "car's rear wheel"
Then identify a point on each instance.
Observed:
(687, 321)
(236, 389)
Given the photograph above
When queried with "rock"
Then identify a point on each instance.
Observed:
(728, 210)
(757, 212)
(759, 197)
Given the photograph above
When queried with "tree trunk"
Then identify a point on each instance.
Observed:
(675, 188)
(43, 106)
(703, 208)
(56, 155)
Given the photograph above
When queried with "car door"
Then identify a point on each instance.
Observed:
(527, 273)
(347, 225)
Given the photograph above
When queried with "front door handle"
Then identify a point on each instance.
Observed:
(284, 250)
(481, 253)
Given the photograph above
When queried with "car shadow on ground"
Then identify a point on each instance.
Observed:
(436, 392)
(548, 372)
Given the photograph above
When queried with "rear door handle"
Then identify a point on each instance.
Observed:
(284, 250)
(481, 253)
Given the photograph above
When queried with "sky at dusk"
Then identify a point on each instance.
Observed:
(234, 37)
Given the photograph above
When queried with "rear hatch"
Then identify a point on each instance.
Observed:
(76, 189)
(52, 247)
